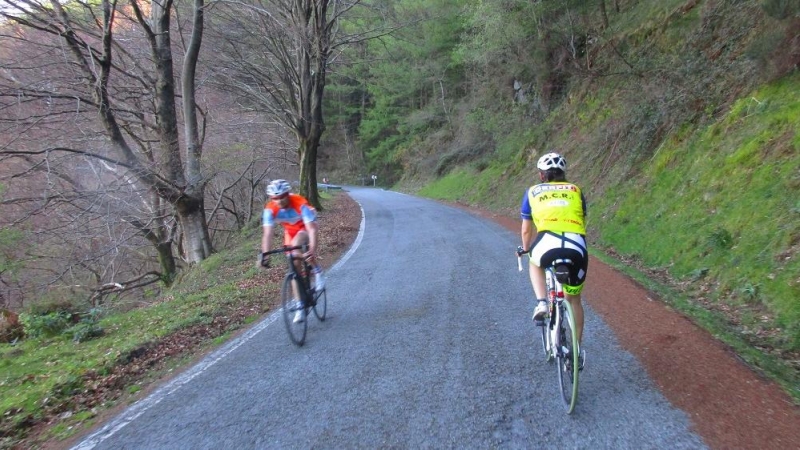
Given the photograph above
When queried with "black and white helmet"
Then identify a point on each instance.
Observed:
(278, 187)
(552, 161)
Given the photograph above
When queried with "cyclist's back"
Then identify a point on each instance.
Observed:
(557, 209)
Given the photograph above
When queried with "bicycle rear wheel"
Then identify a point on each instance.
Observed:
(290, 307)
(567, 359)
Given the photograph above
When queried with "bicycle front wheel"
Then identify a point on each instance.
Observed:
(321, 304)
(567, 355)
(291, 307)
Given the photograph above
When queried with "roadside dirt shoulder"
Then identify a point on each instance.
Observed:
(730, 405)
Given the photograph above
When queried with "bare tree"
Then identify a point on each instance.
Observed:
(84, 67)
(106, 172)
(234, 192)
(69, 234)
(278, 63)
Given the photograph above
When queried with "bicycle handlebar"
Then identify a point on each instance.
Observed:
(520, 251)
(286, 248)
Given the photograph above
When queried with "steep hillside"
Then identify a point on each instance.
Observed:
(680, 120)
(719, 206)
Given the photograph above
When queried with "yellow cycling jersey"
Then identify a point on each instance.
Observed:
(558, 207)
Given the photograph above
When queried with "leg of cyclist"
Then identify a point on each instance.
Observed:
(540, 290)
(312, 228)
(577, 313)
(529, 241)
(577, 319)
(572, 293)
(300, 238)
(541, 255)
(577, 276)
(538, 281)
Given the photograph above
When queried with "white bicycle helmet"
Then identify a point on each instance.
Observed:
(278, 187)
(552, 161)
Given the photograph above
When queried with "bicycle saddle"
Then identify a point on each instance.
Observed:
(562, 269)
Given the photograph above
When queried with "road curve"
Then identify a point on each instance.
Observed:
(428, 344)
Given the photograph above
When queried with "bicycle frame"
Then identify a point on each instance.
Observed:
(553, 318)
(554, 332)
(559, 311)
(300, 276)
(297, 294)
(563, 348)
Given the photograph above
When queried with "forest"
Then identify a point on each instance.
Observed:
(136, 138)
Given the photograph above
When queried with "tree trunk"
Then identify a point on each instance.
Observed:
(308, 171)
(167, 262)
(197, 242)
(189, 203)
(194, 145)
(166, 113)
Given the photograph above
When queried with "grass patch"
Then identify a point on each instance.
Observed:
(455, 186)
(723, 200)
(47, 375)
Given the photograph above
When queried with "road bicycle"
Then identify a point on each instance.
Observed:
(559, 336)
(309, 298)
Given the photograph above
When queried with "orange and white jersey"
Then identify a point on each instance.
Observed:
(294, 217)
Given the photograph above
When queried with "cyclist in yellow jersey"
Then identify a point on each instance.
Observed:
(557, 210)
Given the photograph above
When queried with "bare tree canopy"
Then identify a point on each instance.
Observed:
(89, 88)
(104, 131)
(276, 58)
(108, 68)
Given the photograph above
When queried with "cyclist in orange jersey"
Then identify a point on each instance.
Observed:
(299, 221)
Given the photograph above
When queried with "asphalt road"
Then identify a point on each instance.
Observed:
(428, 344)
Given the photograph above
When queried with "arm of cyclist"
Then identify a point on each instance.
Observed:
(266, 243)
(526, 234)
(312, 239)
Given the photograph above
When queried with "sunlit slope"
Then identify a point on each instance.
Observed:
(722, 203)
